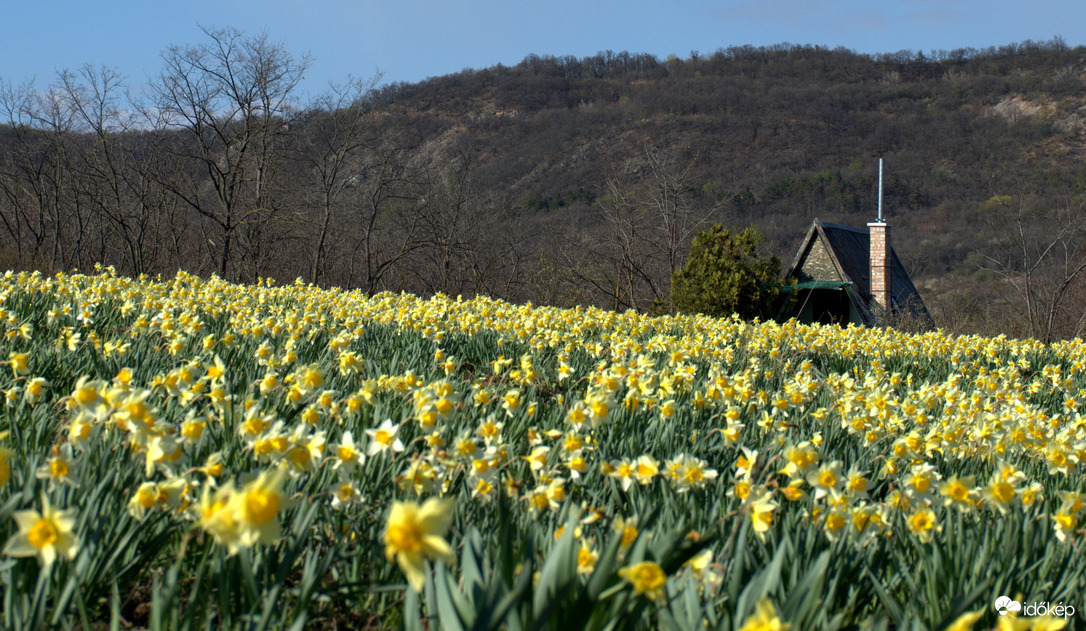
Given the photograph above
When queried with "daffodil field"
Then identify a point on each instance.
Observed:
(191, 453)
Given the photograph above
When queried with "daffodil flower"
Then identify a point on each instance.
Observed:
(46, 535)
(384, 438)
(414, 533)
(648, 580)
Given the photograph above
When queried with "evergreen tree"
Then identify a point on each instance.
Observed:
(726, 274)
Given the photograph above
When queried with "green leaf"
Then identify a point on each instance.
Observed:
(450, 610)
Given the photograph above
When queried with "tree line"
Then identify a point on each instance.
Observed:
(219, 169)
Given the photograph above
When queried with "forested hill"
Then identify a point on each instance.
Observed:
(572, 180)
(782, 134)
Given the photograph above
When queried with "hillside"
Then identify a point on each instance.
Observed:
(778, 136)
(783, 132)
(570, 181)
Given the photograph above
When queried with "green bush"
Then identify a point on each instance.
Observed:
(726, 274)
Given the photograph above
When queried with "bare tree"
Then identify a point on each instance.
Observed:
(385, 227)
(679, 216)
(503, 262)
(110, 169)
(452, 221)
(234, 98)
(649, 216)
(338, 134)
(618, 263)
(1040, 252)
(473, 242)
(36, 178)
(19, 174)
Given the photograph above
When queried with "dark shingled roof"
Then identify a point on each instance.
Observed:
(850, 249)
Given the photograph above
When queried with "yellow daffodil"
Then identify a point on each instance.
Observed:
(966, 621)
(46, 535)
(384, 438)
(20, 364)
(414, 533)
(922, 524)
(6, 456)
(764, 618)
(761, 514)
(648, 580)
(257, 505)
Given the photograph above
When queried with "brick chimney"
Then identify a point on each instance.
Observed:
(880, 265)
(879, 238)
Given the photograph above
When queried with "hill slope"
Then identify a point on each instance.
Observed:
(779, 135)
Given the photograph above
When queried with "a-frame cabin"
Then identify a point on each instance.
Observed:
(833, 272)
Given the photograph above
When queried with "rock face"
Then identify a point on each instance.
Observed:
(1016, 108)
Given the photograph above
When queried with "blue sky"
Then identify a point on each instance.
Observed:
(409, 40)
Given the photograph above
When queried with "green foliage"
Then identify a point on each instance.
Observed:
(501, 592)
(726, 274)
(534, 203)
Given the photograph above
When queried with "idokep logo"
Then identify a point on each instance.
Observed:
(1007, 607)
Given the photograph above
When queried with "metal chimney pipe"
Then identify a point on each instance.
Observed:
(880, 190)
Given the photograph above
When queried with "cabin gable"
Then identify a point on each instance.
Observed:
(818, 264)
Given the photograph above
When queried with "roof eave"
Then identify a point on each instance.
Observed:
(832, 252)
(801, 254)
